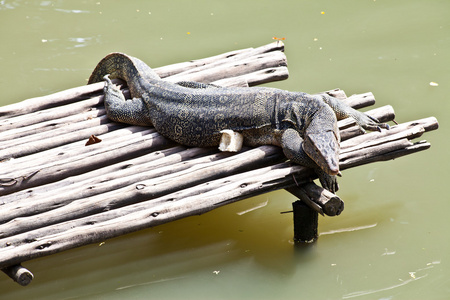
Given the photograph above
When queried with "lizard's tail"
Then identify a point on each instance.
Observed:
(123, 66)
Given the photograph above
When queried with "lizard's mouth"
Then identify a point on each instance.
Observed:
(323, 149)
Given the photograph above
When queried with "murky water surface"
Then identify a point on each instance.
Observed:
(392, 240)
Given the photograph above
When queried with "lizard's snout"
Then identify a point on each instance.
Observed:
(323, 148)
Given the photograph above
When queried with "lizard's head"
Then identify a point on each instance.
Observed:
(323, 149)
(321, 140)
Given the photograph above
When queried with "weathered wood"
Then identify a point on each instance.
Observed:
(110, 172)
(349, 129)
(74, 150)
(216, 60)
(249, 60)
(92, 158)
(347, 154)
(255, 78)
(233, 69)
(18, 119)
(69, 132)
(49, 125)
(198, 199)
(306, 221)
(348, 126)
(60, 194)
(45, 102)
(19, 274)
(318, 199)
(133, 193)
(50, 210)
(375, 150)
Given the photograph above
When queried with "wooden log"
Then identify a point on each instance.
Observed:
(63, 221)
(50, 136)
(84, 186)
(377, 138)
(74, 151)
(22, 147)
(78, 94)
(306, 221)
(376, 155)
(143, 215)
(23, 179)
(221, 59)
(255, 78)
(358, 155)
(8, 181)
(50, 114)
(348, 126)
(52, 210)
(60, 98)
(110, 172)
(373, 151)
(23, 131)
(233, 69)
(318, 199)
(66, 134)
(70, 234)
(359, 101)
(221, 191)
(19, 274)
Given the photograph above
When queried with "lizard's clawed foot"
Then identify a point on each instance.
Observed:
(106, 78)
(328, 182)
(367, 122)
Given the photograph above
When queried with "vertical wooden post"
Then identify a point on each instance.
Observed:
(306, 222)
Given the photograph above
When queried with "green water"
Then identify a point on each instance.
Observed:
(392, 240)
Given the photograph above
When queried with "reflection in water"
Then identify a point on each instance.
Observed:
(73, 42)
(72, 11)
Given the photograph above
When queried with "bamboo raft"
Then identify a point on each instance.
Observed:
(58, 191)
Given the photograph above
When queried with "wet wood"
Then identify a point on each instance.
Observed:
(56, 193)
(306, 222)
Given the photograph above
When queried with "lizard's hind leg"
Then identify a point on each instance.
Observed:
(118, 109)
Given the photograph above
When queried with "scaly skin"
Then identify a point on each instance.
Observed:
(193, 114)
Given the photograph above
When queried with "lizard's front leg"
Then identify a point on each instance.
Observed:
(291, 142)
(343, 111)
(119, 109)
